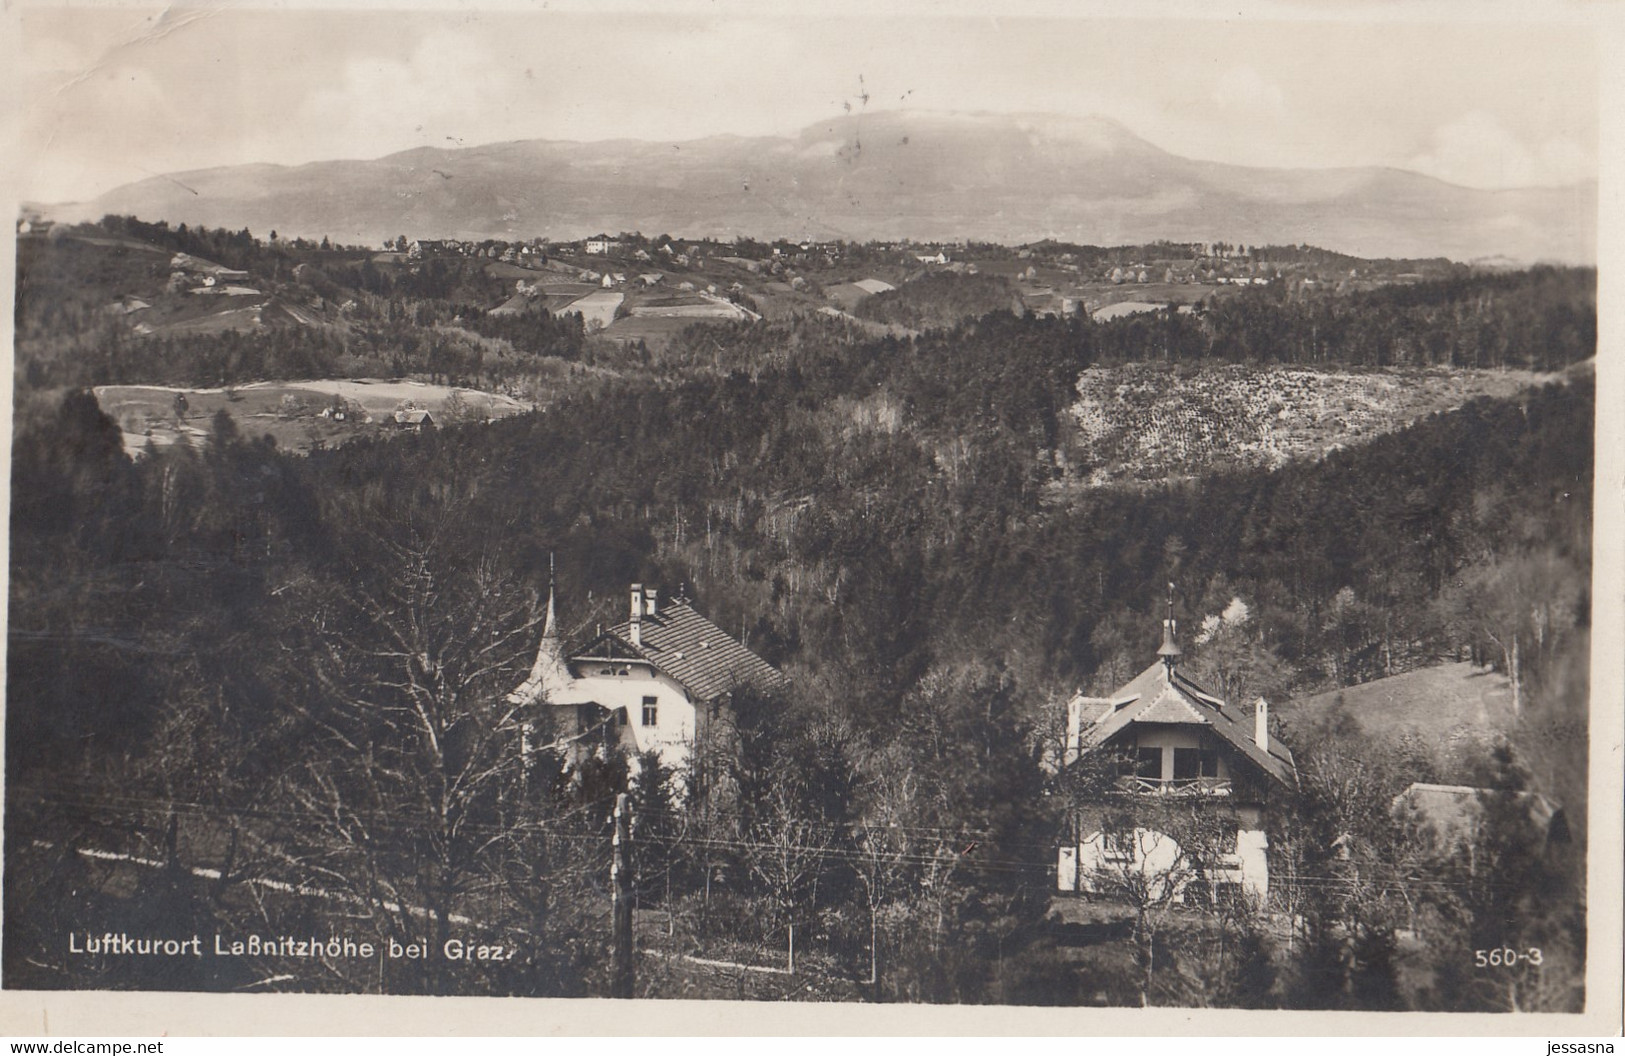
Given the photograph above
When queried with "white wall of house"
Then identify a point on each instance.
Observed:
(673, 731)
(1097, 864)
(1252, 863)
(1143, 854)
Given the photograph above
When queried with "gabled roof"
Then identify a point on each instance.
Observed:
(689, 648)
(1155, 695)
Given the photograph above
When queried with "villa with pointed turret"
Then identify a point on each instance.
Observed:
(646, 684)
(1170, 742)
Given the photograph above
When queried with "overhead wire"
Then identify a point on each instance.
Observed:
(831, 851)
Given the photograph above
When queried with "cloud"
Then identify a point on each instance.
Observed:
(94, 130)
(1477, 150)
(1244, 89)
(447, 88)
(109, 96)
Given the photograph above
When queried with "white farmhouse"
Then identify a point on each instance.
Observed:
(1174, 742)
(644, 685)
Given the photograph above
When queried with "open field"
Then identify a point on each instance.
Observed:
(784, 303)
(869, 326)
(291, 413)
(1120, 309)
(503, 270)
(656, 330)
(598, 307)
(1099, 295)
(119, 243)
(1435, 703)
(694, 310)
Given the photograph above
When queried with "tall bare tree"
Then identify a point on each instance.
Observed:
(411, 793)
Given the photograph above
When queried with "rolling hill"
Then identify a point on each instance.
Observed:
(889, 175)
(1440, 703)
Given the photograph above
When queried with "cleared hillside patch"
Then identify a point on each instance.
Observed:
(1150, 422)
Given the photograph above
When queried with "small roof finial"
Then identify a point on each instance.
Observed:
(1170, 651)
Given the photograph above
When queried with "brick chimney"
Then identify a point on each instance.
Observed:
(636, 630)
(652, 596)
(1261, 723)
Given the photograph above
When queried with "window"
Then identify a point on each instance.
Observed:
(650, 711)
(1117, 844)
(1148, 763)
(1191, 763)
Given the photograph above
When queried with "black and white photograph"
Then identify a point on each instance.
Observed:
(738, 503)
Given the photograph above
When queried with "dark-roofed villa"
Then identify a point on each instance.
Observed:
(645, 684)
(1169, 738)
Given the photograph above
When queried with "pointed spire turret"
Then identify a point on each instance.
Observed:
(550, 673)
(550, 628)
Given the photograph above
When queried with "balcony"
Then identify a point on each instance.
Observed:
(1173, 786)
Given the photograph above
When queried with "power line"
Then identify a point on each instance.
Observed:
(831, 851)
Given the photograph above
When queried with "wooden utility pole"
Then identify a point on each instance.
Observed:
(620, 879)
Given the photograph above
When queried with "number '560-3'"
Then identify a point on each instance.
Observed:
(1506, 957)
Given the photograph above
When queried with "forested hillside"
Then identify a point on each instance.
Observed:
(199, 636)
(80, 322)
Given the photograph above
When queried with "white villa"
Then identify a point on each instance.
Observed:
(1173, 739)
(645, 684)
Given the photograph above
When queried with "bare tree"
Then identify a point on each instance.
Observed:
(786, 855)
(1520, 608)
(411, 792)
(1165, 851)
(884, 850)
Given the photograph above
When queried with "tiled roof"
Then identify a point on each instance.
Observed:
(1169, 706)
(693, 651)
(1152, 696)
(1091, 709)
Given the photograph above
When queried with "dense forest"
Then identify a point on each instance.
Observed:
(204, 640)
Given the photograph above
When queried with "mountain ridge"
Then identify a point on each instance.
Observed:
(921, 175)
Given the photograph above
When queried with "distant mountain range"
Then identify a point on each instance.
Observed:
(891, 175)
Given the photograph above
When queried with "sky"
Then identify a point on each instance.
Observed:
(112, 94)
